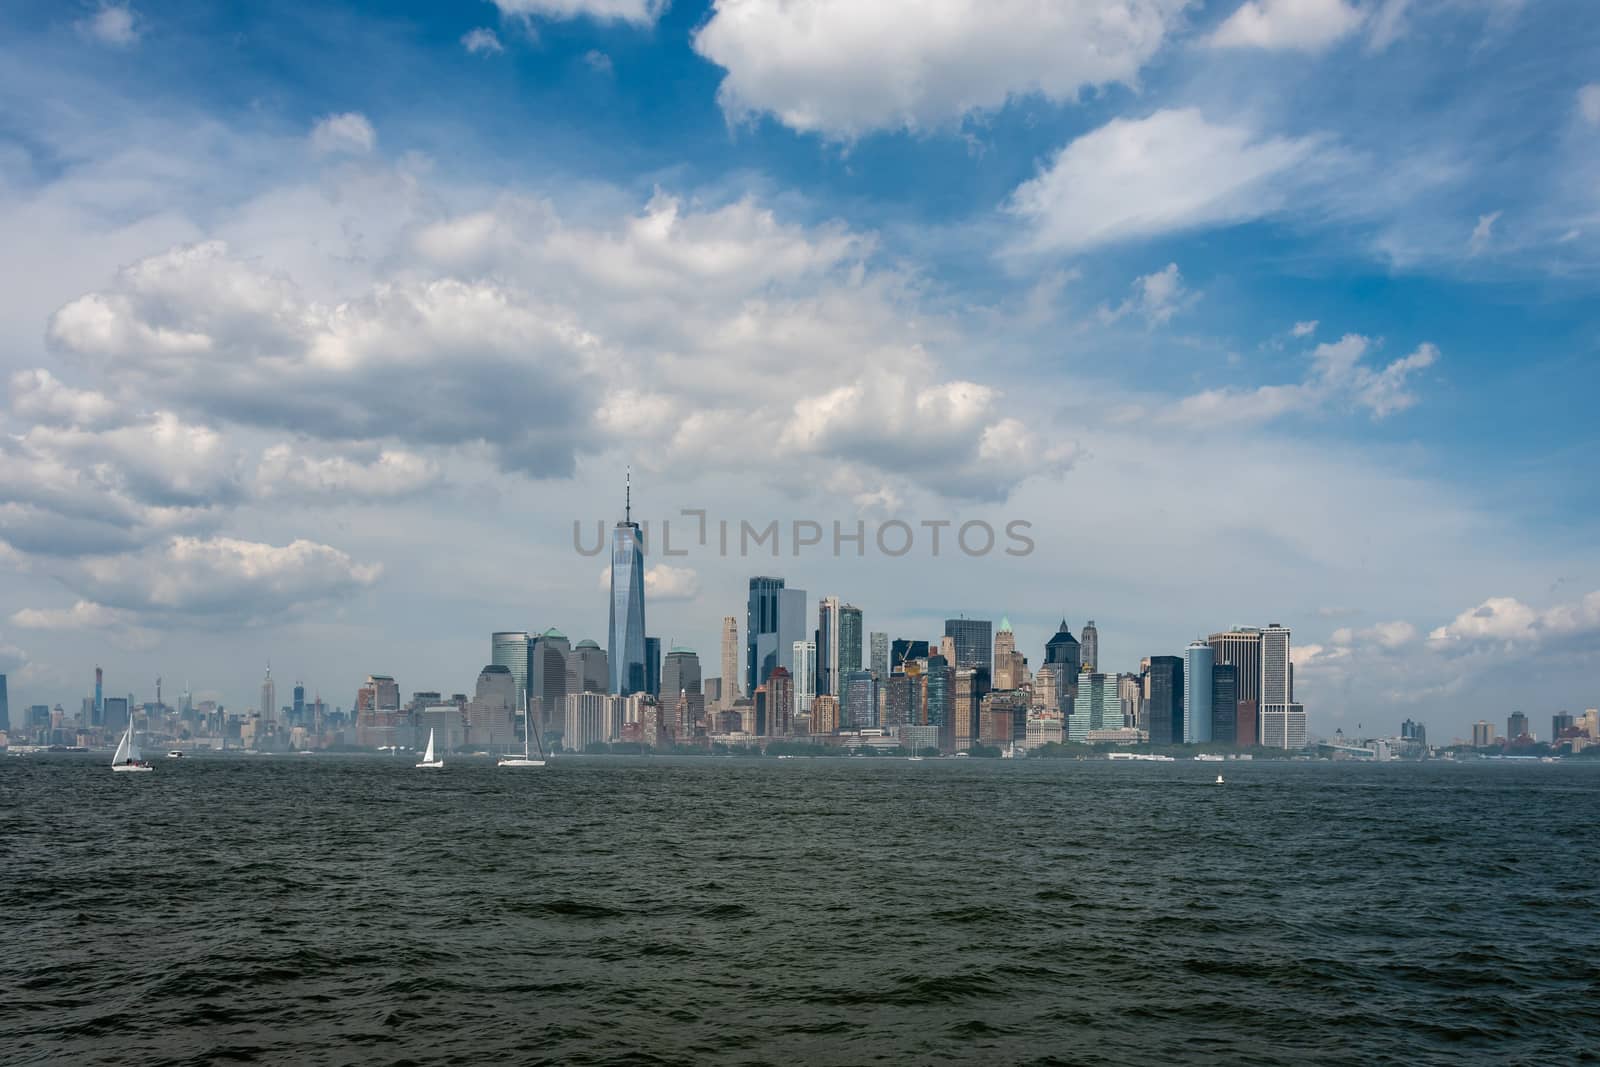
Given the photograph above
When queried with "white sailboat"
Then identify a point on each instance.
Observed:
(127, 757)
(1219, 779)
(428, 760)
(526, 759)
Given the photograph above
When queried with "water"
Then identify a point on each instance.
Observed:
(331, 910)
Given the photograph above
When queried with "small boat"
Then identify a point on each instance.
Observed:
(175, 754)
(428, 762)
(526, 759)
(914, 759)
(128, 757)
(1219, 779)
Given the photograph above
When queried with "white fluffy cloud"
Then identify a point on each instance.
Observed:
(83, 615)
(639, 12)
(350, 132)
(1337, 379)
(38, 396)
(117, 25)
(1304, 329)
(844, 68)
(1482, 233)
(1137, 178)
(663, 583)
(482, 41)
(1507, 621)
(390, 473)
(1157, 297)
(1301, 25)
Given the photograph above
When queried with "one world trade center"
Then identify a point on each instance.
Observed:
(626, 651)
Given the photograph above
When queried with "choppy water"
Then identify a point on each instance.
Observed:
(348, 910)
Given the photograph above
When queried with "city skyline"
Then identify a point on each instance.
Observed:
(309, 368)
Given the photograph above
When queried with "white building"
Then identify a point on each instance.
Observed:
(591, 717)
(805, 677)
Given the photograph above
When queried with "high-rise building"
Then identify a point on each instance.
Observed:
(1063, 652)
(849, 640)
(5, 707)
(940, 699)
(491, 714)
(879, 665)
(827, 645)
(804, 656)
(1517, 727)
(780, 702)
(1241, 648)
(547, 678)
(589, 720)
(1130, 689)
(903, 651)
(588, 670)
(1164, 700)
(899, 701)
(1007, 669)
(1198, 661)
(824, 715)
(859, 709)
(792, 625)
(1283, 722)
(1225, 703)
(1482, 734)
(974, 642)
(731, 674)
(1560, 723)
(652, 666)
(626, 642)
(298, 708)
(99, 699)
(510, 649)
(761, 631)
(269, 698)
(680, 674)
(1090, 646)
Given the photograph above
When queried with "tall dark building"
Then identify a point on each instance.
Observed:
(299, 705)
(1063, 649)
(1164, 705)
(1560, 722)
(652, 666)
(1516, 726)
(761, 631)
(904, 651)
(974, 642)
(941, 697)
(1225, 704)
(5, 706)
(1415, 731)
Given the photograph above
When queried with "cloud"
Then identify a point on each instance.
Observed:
(83, 615)
(1482, 233)
(1509, 623)
(1385, 635)
(638, 12)
(284, 471)
(1171, 171)
(598, 62)
(842, 68)
(1304, 329)
(1589, 103)
(663, 583)
(1157, 297)
(482, 41)
(1337, 379)
(348, 133)
(200, 581)
(38, 396)
(1300, 25)
(117, 25)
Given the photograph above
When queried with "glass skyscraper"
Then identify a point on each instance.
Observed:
(974, 642)
(626, 647)
(1198, 663)
(761, 631)
(512, 649)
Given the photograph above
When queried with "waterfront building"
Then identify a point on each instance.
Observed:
(1283, 721)
(1164, 700)
(445, 720)
(379, 721)
(513, 650)
(1098, 706)
(5, 707)
(804, 655)
(859, 709)
(1090, 646)
(627, 627)
(974, 642)
(1002, 717)
(589, 719)
(1044, 727)
(731, 674)
(825, 714)
(1482, 734)
(1198, 662)
(919, 739)
(1517, 728)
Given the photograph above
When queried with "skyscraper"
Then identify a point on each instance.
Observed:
(732, 689)
(974, 642)
(1164, 700)
(1516, 727)
(904, 650)
(680, 673)
(761, 631)
(780, 702)
(879, 664)
(940, 703)
(849, 640)
(5, 707)
(805, 675)
(859, 709)
(792, 625)
(1241, 647)
(1225, 703)
(1090, 640)
(652, 666)
(99, 699)
(510, 649)
(1198, 661)
(626, 643)
(1009, 665)
(588, 670)
(269, 698)
(827, 645)
(299, 703)
(547, 678)
(1283, 722)
(490, 715)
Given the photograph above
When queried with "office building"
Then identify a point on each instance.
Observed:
(879, 665)
(804, 655)
(1517, 728)
(1560, 722)
(1240, 648)
(589, 718)
(512, 649)
(825, 715)
(939, 698)
(780, 702)
(548, 678)
(1089, 650)
(859, 708)
(761, 631)
(827, 645)
(1283, 721)
(731, 674)
(1164, 700)
(850, 632)
(588, 670)
(627, 628)
(1009, 666)
(652, 666)
(1198, 662)
(974, 642)
(1482, 734)
(792, 625)
(1225, 704)
(680, 674)
(5, 707)
(491, 714)
(269, 698)
(904, 651)
(970, 685)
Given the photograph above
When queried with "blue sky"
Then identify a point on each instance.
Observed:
(319, 316)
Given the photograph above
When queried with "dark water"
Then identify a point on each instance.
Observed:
(347, 910)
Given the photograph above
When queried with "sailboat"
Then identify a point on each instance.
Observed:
(1219, 779)
(427, 757)
(526, 759)
(127, 757)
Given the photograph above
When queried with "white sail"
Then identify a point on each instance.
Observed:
(427, 757)
(122, 755)
(133, 744)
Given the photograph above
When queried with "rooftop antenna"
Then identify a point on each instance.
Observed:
(627, 508)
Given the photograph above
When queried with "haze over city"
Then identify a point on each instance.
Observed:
(326, 338)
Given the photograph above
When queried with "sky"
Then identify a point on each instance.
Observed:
(322, 325)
